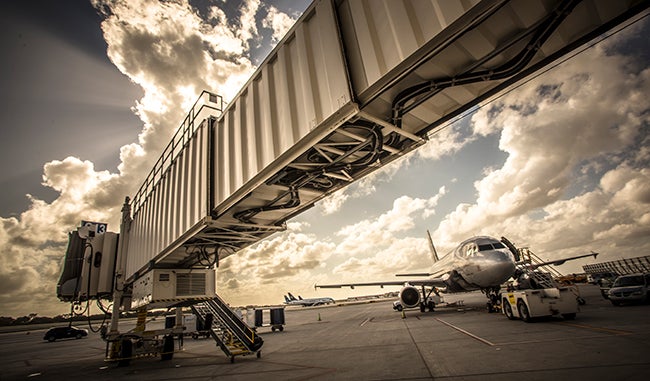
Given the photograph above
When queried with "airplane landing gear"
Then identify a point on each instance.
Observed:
(427, 301)
(494, 299)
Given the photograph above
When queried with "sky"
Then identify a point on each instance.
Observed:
(93, 91)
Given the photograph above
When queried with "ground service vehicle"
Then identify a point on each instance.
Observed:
(533, 303)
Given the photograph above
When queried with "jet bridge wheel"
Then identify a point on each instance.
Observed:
(167, 348)
(125, 352)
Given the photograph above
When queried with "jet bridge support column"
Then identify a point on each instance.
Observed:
(118, 284)
(179, 318)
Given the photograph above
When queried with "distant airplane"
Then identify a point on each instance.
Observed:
(291, 300)
(478, 263)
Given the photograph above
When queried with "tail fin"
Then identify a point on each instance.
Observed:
(286, 299)
(291, 296)
(299, 297)
(434, 253)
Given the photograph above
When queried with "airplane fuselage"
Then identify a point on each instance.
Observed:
(477, 263)
(306, 302)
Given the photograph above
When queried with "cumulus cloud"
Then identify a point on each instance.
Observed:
(173, 52)
(278, 22)
(333, 203)
(363, 236)
(445, 142)
(585, 124)
(583, 119)
(255, 274)
(248, 30)
(441, 144)
(375, 247)
(368, 248)
(34, 244)
(575, 178)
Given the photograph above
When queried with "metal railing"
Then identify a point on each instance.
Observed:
(207, 105)
(230, 332)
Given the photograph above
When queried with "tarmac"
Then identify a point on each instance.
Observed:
(371, 341)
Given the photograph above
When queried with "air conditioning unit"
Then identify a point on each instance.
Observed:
(168, 287)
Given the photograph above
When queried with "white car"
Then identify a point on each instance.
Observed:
(632, 288)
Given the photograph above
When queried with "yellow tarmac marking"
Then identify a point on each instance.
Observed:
(598, 329)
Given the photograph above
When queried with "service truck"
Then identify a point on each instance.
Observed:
(529, 304)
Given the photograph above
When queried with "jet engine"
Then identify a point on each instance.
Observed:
(409, 296)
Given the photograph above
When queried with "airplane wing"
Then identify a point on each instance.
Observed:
(556, 262)
(432, 282)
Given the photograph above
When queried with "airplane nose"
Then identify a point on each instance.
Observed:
(502, 263)
(498, 256)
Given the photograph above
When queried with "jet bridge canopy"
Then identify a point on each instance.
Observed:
(353, 86)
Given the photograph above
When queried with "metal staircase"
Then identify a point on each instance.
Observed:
(540, 276)
(232, 335)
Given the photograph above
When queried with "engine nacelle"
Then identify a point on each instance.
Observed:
(409, 296)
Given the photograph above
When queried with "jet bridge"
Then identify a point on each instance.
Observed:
(353, 86)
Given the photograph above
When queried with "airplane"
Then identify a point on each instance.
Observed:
(478, 263)
(291, 300)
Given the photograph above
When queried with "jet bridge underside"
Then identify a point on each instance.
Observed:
(404, 83)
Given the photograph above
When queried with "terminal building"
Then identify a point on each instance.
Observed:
(620, 267)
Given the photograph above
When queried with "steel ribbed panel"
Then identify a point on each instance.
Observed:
(380, 34)
(177, 203)
(296, 89)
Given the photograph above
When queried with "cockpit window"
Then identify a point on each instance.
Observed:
(490, 246)
(470, 249)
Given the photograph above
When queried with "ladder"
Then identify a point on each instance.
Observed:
(232, 335)
(541, 275)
